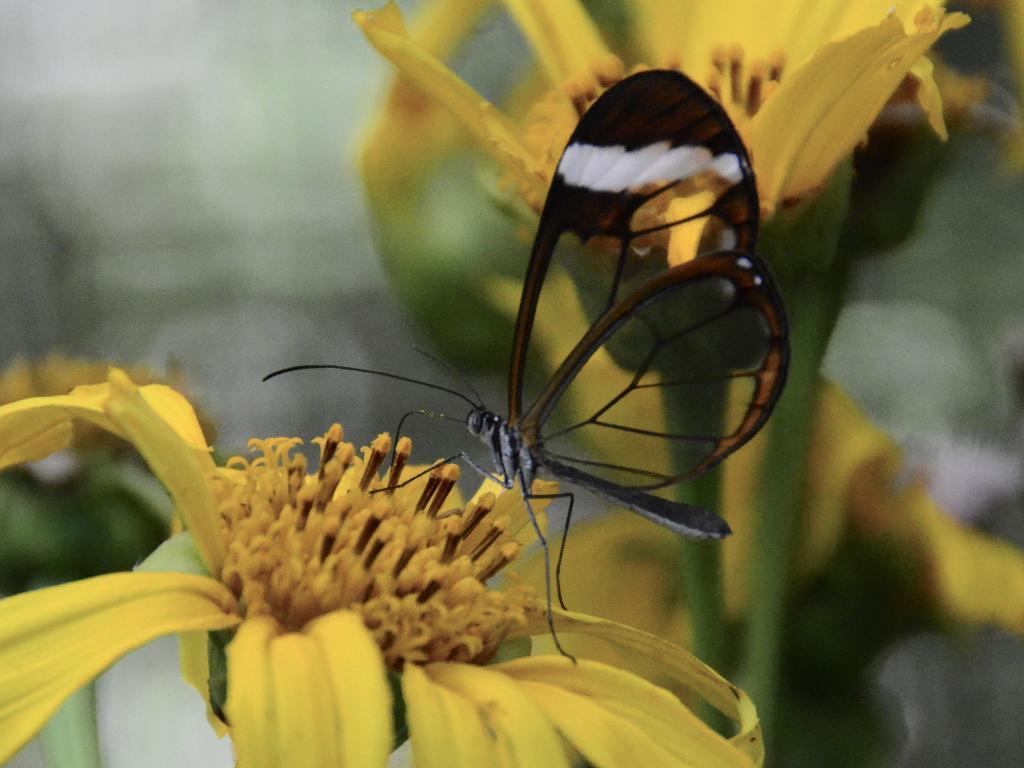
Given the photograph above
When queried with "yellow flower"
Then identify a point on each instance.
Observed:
(329, 581)
(802, 80)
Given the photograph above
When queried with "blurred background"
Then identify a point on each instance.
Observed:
(178, 188)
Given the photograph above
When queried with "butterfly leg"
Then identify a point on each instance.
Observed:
(565, 534)
(503, 480)
(460, 456)
(547, 568)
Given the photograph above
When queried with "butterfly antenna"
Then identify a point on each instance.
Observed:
(465, 379)
(386, 374)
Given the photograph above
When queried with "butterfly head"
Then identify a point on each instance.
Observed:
(480, 421)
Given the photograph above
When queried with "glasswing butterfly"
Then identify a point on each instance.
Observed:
(709, 333)
(701, 343)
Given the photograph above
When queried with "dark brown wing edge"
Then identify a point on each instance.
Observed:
(686, 519)
(548, 233)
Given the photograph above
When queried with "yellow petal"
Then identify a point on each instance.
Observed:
(251, 706)
(52, 641)
(494, 132)
(303, 720)
(355, 671)
(443, 24)
(928, 96)
(172, 407)
(603, 738)
(34, 428)
(392, 166)
(446, 729)
(684, 239)
(317, 697)
(616, 718)
(184, 469)
(976, 578)
(279, 704)
(564, 37)
(521, 733)
(821, 111)
(684, 671)
(971, 578)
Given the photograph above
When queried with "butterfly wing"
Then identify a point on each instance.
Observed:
(654, 156)
(708, 336)
(651, 139)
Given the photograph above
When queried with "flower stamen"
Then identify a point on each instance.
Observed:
(378, 450)
(740, 84)
(484, 505)
(433, 480)
(486, 542)
(402, 451)
(300, 545)
(448, 476)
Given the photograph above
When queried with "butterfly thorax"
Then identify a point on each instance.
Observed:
(510, 455)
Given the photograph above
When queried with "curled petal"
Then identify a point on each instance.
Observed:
(616, 718)
(684, 670)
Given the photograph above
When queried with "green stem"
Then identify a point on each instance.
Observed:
(701, 567)
(803, 245)
(701, 571)
(70, 739)
(813, 308)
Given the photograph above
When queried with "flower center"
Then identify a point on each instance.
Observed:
(739, 85)
(410, 563)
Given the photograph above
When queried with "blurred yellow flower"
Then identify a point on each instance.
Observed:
(331, 580)
(803, 81)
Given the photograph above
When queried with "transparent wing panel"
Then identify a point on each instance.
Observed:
(683, 375)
